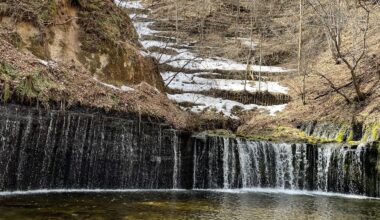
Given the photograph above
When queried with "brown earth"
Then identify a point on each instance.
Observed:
(95, 34)
(24, 78)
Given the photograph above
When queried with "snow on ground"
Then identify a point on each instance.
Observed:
(129, 4)
(135, 16)
(189, 60)
(220, 105)
(122, 88)
(142, 28)
(194, 83)
(154, 43)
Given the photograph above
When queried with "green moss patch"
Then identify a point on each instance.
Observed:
(32, 86)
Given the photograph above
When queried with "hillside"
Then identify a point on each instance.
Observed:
(25, 79)
(232, 66)
(95, 34)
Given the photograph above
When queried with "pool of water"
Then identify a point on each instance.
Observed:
(231, 204)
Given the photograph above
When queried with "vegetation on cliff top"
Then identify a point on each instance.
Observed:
(94, 33)
(26, 79)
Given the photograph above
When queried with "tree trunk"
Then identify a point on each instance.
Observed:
(303, 93)
(357, 86)
(237, 20)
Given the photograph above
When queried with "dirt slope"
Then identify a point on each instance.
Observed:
(95, 34)
(26, 79)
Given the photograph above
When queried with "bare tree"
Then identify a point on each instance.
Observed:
(237, 20)
(176, 20)
(250, 56)
(345, 18)
(300, 69)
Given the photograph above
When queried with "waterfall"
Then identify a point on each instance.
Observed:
(323, 166)
(177, 160)
(76, 149)
(237, 163)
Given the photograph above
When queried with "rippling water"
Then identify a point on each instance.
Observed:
(231, 204)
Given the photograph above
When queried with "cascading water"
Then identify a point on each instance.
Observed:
(72, 149)
(177, 160)
(77, 150)
(237, 163)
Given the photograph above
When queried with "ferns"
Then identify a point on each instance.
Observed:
(34, 86)
(26, 89)
(6, 73)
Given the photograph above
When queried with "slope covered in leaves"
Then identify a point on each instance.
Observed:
(94, 33)
(27, 79)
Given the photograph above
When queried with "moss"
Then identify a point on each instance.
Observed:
(220, 132)
(341, 134)
(278, 134)
(375, 131)
(7, 93)
(28, 87)
(350, 136)
(48, 13)
(283, 134)
(7, 72)
(371, 132)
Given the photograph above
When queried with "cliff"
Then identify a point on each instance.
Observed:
(27, 80)
(95, 34)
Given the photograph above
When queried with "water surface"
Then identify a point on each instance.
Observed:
(185, 205)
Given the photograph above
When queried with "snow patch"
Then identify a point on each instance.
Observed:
(161, 44)
(142, 28)
(122, 88)
(194, 83)
(129, 4)
(191, 61)
(224, 106)
(48, 63)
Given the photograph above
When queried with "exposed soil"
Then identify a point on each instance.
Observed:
(95, 34)
(25, 78)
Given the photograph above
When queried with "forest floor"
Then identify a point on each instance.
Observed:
(26, 79)
(197, 82)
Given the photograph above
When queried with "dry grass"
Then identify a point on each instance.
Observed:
(94, 33)
(323, 103)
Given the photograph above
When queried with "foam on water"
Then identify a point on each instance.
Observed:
(233, 191)
(68, 191)
(287, 192)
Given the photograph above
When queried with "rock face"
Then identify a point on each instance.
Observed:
(50, 150)
(342, 132)
(95, 34)
(79, 149)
